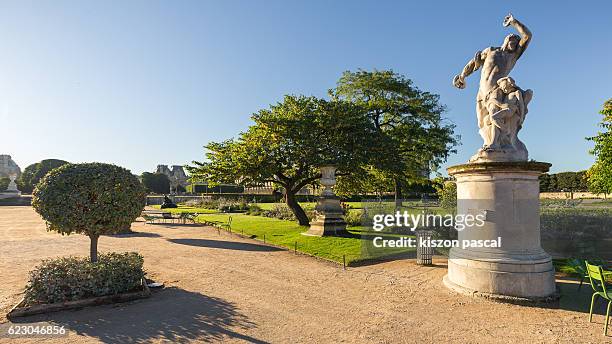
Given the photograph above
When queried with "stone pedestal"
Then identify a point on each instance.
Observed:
(507, 194)
(330, 215)
(329, 220)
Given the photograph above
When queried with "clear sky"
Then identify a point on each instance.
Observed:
(140, 83)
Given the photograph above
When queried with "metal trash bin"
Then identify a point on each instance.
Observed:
(424, 253)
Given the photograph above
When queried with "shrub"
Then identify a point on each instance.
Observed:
(448, 195)
(560, 203)
(345, 208)
(209, 203)
(354, 218)
(254, 209)
(575, 223)
(91, 199)
(224, 205)
(75, 278)
(229, 206)
(195, 203)
(282, 212)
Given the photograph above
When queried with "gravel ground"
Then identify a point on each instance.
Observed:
(225, 288)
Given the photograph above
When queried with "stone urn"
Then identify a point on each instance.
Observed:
(328, 180)
(329, 220)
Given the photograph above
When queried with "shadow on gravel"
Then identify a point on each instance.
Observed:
(226, 245)
(135, 235)
(577, 300)
(171, 315)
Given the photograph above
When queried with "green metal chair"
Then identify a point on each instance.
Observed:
(577, 267)
(598, 283)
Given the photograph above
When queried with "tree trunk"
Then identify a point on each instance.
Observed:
(295, 207)
(398, 193)
(93, 248)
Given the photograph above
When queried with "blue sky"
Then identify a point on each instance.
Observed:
(138, 83)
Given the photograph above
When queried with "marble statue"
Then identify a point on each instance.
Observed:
(11, 191)
(12, 186)
(501, 106)
(501, 184)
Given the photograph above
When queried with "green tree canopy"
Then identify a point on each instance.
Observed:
(287, 144)
(32, 174)
(600, 174)
(4, 182)
(158, 183)
(564, 181)
(91, 199)
(416, 138)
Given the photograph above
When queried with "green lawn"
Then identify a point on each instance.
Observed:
(287, 233)
(604, 203)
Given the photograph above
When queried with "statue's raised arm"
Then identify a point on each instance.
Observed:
(473, 65)
(522, 30)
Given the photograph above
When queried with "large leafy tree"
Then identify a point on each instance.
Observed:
(416, 137)
(600, 174)
(33, 174)
(287, 144)
(4, 183)
(158, 183)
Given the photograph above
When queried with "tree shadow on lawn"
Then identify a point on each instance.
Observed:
(227, 245)
(173, 315)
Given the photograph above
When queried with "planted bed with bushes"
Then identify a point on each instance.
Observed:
(75, 278)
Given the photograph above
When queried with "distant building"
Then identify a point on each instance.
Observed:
(176, 175)
(8, 166)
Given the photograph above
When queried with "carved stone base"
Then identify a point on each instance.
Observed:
(10, 194)
(499, 154)
(329, 220)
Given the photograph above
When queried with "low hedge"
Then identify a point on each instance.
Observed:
(75, 278)
(575, 223)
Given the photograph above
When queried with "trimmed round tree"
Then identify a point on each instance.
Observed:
(91, 199)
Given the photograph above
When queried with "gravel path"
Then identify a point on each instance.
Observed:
(225, 288)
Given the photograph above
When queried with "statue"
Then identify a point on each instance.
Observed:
(507, 107)
(501, 106)
(500, 183)
(168, 203)
(12, 186)
(11, 190)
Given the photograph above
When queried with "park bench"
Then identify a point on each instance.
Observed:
(165, 217)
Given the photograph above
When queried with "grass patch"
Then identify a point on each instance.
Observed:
(287, 233)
